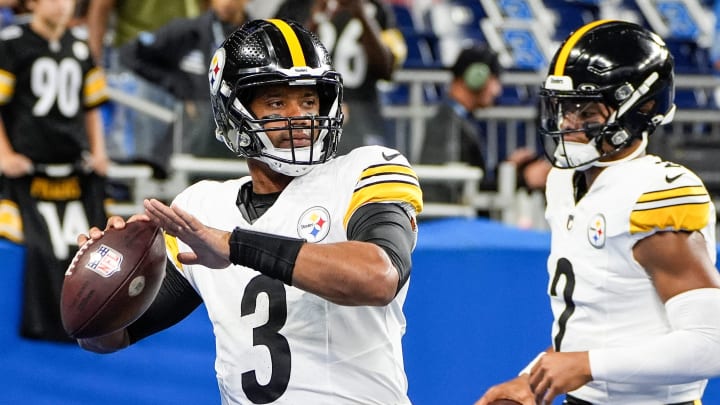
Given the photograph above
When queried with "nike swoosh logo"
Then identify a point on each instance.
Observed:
(671, 179)
(390, 157)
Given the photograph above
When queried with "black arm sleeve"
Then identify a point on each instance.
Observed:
(388, 226)
(175, 300)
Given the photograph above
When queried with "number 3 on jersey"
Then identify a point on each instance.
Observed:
(268, 335)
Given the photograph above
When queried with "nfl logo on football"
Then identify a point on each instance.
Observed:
(105, 261)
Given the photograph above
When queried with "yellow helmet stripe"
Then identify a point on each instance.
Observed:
(570, 44)
(293, 43)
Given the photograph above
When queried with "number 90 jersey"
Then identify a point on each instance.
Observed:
(45, 86)
(600, 296)
(279, 344)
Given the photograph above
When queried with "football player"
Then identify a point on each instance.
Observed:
(632, 283)
(50, 91)
(313, 251)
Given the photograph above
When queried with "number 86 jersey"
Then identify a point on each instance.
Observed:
(600, 296)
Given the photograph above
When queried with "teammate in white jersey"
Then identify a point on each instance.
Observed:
(303, 265)
(632, 283)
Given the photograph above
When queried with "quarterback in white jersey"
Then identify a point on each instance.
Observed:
(633, 288)
(303, 266)
(318, 349)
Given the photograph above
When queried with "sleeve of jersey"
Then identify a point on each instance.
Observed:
(11, 226)
(388, 181)
(95, 90)
(672, 204)
(7, 77)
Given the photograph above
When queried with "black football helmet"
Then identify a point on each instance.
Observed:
(272, 52)
(617, 64)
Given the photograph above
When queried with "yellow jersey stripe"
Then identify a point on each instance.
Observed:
(672, 193)
(292, 41)
(171, 244)
(11, 226)
(570, 44)
(7, 86)
(390, 191)
(394, 39)
(685, 217)
(387, 169)
(95, 91)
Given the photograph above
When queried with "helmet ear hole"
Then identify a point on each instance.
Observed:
(243, 140)
(618, 138)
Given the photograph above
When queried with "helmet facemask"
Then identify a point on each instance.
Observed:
(248, 135)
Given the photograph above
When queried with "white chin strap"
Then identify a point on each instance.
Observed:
(637, 152)
(577, 155)
(582, 156)
(278, 158)
(288, 169)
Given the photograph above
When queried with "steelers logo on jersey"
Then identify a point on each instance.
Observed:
(596, 231)
(314, 224)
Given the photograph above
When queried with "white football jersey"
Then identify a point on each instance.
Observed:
(277, 344)
(600, 296)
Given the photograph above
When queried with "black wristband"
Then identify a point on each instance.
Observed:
(271, 255)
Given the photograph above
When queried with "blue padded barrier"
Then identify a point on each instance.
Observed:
(476, 311)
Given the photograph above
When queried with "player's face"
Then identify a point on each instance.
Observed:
(52, 13)
(284, 101)
(573, 115)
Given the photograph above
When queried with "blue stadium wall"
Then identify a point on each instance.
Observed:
(476, 311)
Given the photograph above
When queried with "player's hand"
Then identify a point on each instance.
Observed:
(521, 155)
(557, 373)
(518, 389)
(15, 165)
(115, 222)
(98, 163)
(211, 247)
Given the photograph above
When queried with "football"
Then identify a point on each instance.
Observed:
(111, 281)
(504, 402)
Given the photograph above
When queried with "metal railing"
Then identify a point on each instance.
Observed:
(413, 115)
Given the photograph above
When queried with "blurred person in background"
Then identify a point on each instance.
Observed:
(134, 135)
(176, 57)
(52, 153)
(366, 47)
(453, 134)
